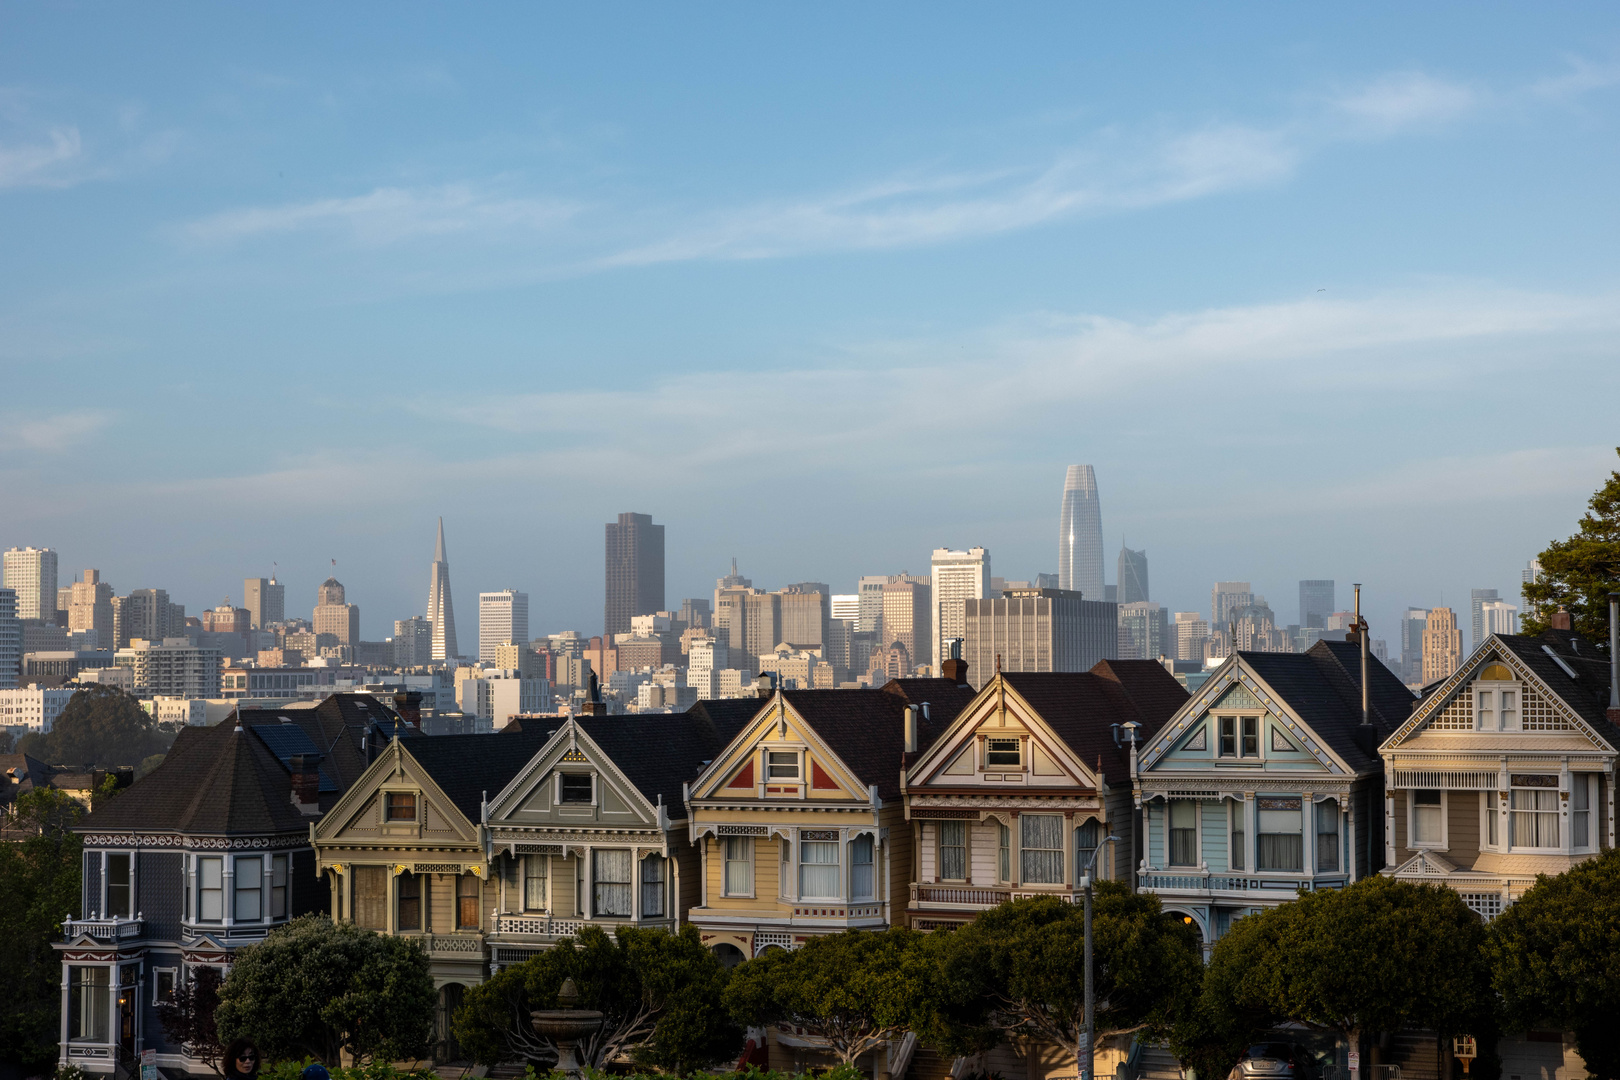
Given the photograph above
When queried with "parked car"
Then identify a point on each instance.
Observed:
(1275, 1061)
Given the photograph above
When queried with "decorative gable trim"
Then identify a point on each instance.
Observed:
(1450, 690)
(955, 743)
(1427, 864)
(738, 757)
(582, 750)
(1235, 678)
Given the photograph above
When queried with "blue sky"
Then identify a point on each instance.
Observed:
(1319, 294)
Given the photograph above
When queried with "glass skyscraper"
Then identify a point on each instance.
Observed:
(1080, 543)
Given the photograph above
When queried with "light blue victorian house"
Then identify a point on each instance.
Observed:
(1266, 782)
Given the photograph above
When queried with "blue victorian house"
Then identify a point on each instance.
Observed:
(1266, 782)
(207, 853)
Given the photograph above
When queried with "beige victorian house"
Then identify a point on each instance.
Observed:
(1505, 770)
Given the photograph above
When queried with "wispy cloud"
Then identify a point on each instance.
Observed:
(55, 432)
(42, 163)
(390, 214)
(1404, 100)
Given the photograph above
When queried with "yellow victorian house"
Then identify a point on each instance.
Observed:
(798, 823)
(403, 852)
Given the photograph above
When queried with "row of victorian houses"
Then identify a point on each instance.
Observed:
(766, 821)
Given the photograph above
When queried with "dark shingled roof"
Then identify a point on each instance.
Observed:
(336, 726)
(1323, 686)
(1588, 692)
(658, 754)
(215, 781)
(466, 767)
(945, 699)
(1081, 707)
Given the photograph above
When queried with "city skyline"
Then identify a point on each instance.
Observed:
(1109, 242)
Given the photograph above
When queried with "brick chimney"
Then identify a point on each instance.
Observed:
(306, 781)
(408, 703)
(1560, 620)
(955, 670)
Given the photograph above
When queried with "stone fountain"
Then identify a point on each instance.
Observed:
(566, 1026)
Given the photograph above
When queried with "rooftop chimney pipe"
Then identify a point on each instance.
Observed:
(1361, 632)
(911, 729)
(1614, 656)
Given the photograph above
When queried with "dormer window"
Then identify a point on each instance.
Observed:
(576, 789)
(1497, 699)
(1240, 736)
(401, 806)
(1002, 754)
(782, 764)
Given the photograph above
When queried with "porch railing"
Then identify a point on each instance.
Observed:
(453, 945)
(116, 928)
(549, 926)
(965, 895)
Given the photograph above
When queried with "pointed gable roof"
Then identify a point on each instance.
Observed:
(866, 729)
(466, 767)
(1081, 706)
(661, 755)
(1322, 686)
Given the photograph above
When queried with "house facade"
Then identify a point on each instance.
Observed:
(798, 822)
(1266, 782)
(207, 853)
(1505, 770)
(403, 853)
(592, 831)
(1016, 795)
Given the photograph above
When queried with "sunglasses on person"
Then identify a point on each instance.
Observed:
(247, 1057)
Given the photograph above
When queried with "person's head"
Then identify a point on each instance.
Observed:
(241, 1058)
(316, 1071)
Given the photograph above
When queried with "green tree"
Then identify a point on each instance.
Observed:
(1581, 572)
(39, 885)
(1019, 970)
(100, 726)
(857, 990)
(189, 1019)
(1382, 955)
(318, 988)
(1555, 958)
(660, 994)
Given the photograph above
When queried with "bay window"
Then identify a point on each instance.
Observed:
(861, 878)
(1327, 835)
(1003, 852)
(1239, 845)
(652, 886)
(468, 889)
(738, 854)
(211, 889)
(1085, 844)
(1183, 815)
(612, 879)
(1282, 840)
(278, 886)
(818, 864)
(371, 897)
(410, 902)
(1533, 811)
(1041, 857)
(952, 850)
(249, 889)
(1428, 818)
(1582, 794)
(89, 1007)
(535, 870)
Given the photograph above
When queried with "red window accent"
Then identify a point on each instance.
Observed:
(744, 777)
(819, 779)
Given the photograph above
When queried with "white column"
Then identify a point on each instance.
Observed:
(67, 990)
(1307, 802)
(1347, 829)
(1389, 825)
(635, 886)
(1565, 833)
(703, 870)
(228, 882)
(587, 901)
(1251, 836)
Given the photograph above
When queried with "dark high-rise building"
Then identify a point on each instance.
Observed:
(1315, 603)
(1133, 578)
(1080, 543)
(1477, 599)
(1037, 630)
(635, 571)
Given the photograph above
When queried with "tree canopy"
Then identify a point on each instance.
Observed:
(1382, 955)
(189, 1017)
(101, 726)
(660, 994)
(857, 990)
(1019, 969)
(39, 885)
(1555, 958)
(1579, 573)
(317, 988)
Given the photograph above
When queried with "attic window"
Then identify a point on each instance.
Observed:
(782, 764)
(1002, 752)
(1496, 673)
(576, 788)
(401, 806)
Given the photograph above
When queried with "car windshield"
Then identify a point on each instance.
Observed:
(1270, 1050)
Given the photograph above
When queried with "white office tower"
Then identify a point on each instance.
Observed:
(1498, 617)
(439, 610)
(1080, 543)
(502, 617)
(846, 606)
(705, 662)
(1192, 634)
(959, 576)
(31, 574)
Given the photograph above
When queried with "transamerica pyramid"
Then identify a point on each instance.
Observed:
(440, 613)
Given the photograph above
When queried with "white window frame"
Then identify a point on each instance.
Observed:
(871, 843)
(1490, 691)
(1412, 843)
(557, 799)
(797, 764)
(1170, 807)
(106, 881)
(237, 861)
(1565, 831)
(940, 845)
(1589, 783)
(1489, 822)
(1238, 720)
(1017, 748)
(750, 861)
(173, 972)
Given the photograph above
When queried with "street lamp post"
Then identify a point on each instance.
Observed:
(1091, 1016)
